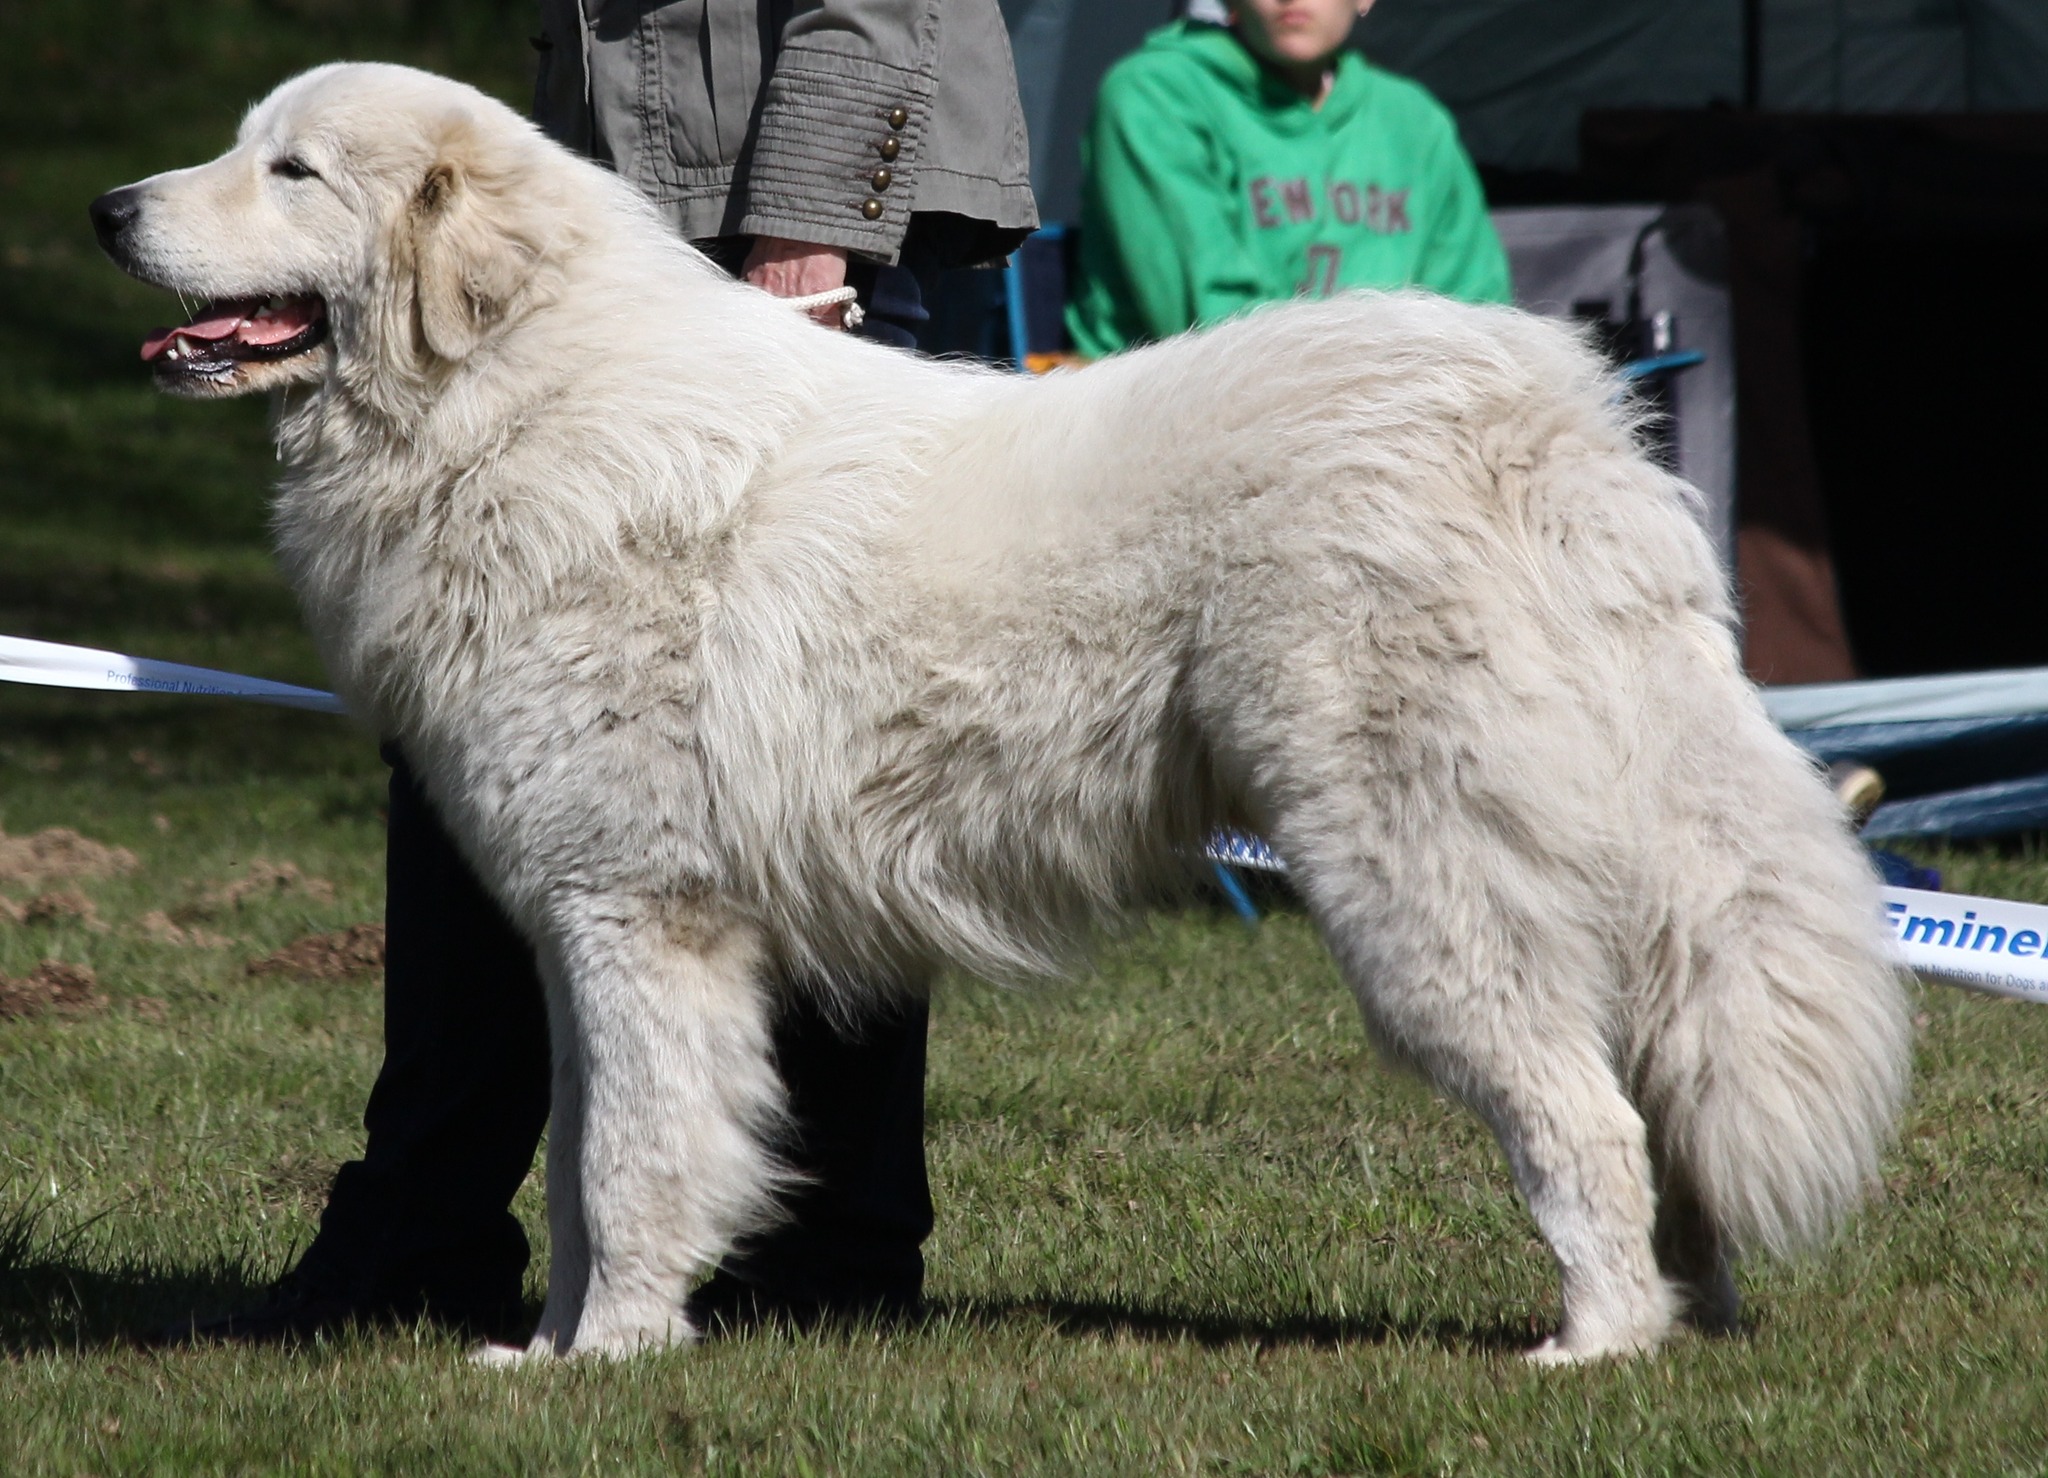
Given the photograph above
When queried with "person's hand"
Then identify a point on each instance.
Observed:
(796, 269)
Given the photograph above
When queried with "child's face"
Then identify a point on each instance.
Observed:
(1296, 33)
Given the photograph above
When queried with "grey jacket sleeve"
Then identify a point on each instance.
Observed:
(844, 117)
(844, 122)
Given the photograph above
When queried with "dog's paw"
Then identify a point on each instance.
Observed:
(1554, 1351)
(505, 1357)
(1550, 1352)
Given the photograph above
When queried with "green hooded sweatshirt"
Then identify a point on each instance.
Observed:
(1212, 185)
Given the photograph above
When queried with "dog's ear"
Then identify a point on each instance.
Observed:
(477, 245)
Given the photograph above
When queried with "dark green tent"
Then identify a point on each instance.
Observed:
(1519, 73)
(1880, 168)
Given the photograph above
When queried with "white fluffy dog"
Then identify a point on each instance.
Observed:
(731, 649)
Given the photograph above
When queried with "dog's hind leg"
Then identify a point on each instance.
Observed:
(1504, 1004)
(665, 1096)
(1578, 1152)
(1579, 1155)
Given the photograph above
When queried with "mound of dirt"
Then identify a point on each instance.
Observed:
(356, 950)
(69, 990)
(52, 907)
(158, 925)
(58, 852)
(262, 879)
(63, 903)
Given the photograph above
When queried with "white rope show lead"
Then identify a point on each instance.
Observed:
(852, 318)
(49, 665)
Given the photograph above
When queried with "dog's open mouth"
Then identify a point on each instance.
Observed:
(234, 331)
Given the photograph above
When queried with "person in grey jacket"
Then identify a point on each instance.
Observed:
(806, 146)
(885, 129)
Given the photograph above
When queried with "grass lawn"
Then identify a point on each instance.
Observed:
(1186, 1222)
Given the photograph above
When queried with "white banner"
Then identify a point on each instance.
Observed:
(1987, 944)
(48, 665)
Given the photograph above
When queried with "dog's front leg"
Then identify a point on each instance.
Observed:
(665, 1092)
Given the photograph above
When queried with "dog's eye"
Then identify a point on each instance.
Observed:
(293, 169)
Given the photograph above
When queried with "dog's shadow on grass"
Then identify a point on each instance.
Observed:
(1105, 1318)
(52, 1304)
(55, 1295)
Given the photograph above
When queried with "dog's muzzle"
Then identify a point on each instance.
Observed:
(228, 336)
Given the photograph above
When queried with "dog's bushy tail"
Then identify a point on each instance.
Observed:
(1771, 1051)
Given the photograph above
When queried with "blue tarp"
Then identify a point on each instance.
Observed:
(1962, 755)
(1978, 811)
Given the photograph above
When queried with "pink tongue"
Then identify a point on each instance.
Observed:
(220, 320)
(230, 319)
(292, 317)
(215, 321)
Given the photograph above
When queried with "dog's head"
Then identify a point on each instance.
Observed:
(365, 212)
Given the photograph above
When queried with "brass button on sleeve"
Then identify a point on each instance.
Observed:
(890, 147)
(871, 208)
(898, 117)
(881, 179)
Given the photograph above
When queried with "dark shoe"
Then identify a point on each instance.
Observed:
(724, 1307)
(282, 1319)
(302, 1311)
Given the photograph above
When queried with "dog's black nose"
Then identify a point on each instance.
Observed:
(114, 212)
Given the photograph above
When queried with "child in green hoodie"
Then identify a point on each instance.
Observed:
(1228, 166)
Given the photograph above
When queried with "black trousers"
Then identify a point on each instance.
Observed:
(423, 1220)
